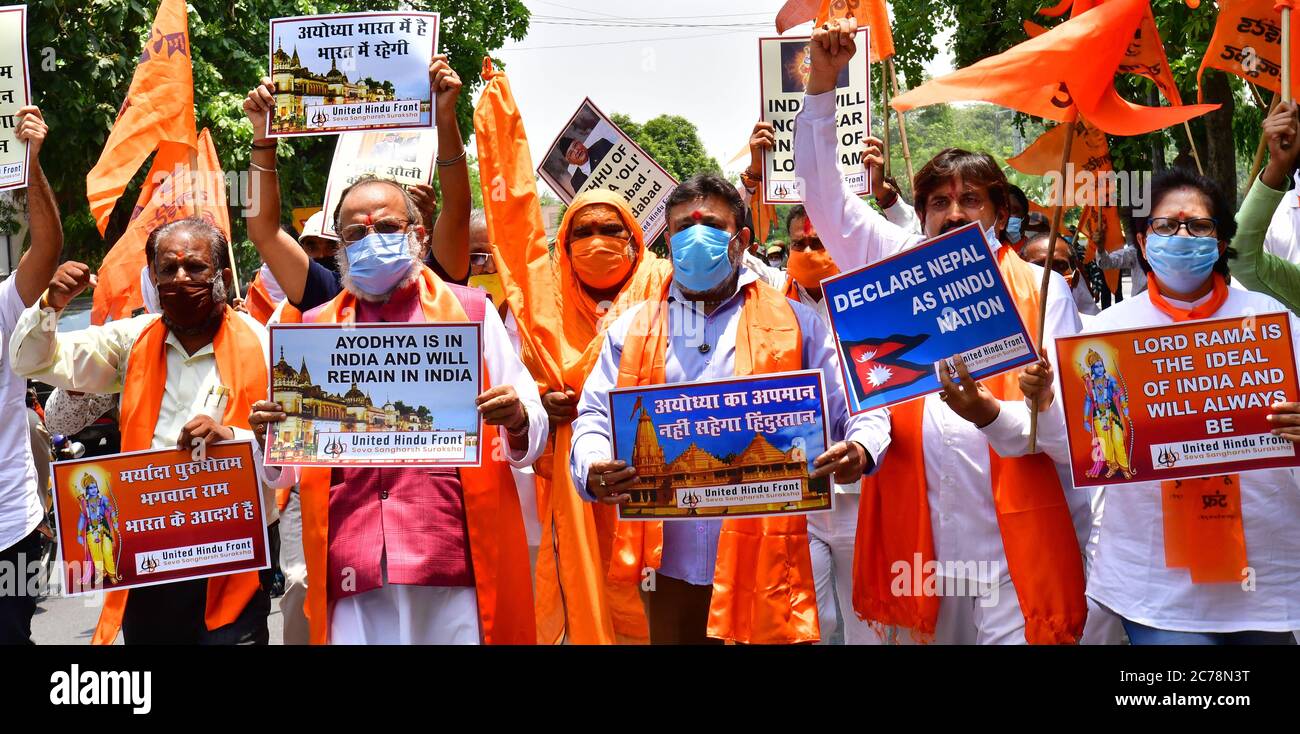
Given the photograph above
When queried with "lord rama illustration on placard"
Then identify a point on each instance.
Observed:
(1106, 417)
(97, 529)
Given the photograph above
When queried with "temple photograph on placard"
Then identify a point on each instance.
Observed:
(376, 396)
(352, 72)
(724, 448)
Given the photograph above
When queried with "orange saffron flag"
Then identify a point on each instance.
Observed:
(1247, 41)
(1064, 73)
(872, 13)
(1145, 55)
(180, 184)
(159, 108)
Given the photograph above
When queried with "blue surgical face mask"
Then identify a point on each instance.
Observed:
(700, 258)
(378, 262)
(1180, 263)
(1013, 228)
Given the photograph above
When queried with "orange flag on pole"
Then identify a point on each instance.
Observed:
(1065, 72)
(1145, 55)
(872, 13)
(181, 183)
(1247, 41)
(159, 108)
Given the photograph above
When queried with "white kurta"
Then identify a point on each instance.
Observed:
(1129, 574)
(957, 471)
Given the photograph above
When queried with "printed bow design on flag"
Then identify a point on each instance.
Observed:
(159, 109)
(872, 13)
(1145, 55)
(877, 364)
(1064, 73)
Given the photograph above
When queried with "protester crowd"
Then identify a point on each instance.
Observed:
(527, 548)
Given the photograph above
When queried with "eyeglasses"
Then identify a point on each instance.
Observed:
(356, 232)
(1196, 227)
(480, 258)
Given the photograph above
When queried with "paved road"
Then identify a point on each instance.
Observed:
(71, 621)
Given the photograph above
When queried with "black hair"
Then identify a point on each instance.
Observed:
(705, 185)
(1225, 220)
(798, 212)
(1018, 195)
(976, 168)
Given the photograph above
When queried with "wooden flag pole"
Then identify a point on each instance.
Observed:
(902, 121)
(234, 268)
(1262, 148)
(889, 98)
(1286, 52)
(1195, 155)
(1058, 213)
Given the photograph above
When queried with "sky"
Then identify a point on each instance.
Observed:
(602, 49)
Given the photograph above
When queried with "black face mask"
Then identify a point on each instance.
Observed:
(188, 304)
(330, 263)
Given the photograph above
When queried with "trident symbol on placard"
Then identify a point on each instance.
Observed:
(1167, 459)
(319, 119)
(335, 448)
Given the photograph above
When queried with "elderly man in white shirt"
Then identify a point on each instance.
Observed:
(21, 510)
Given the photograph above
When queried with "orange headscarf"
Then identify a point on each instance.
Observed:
(1037, 533)
(763, 590)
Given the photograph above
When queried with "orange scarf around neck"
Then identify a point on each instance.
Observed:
(1038, 535)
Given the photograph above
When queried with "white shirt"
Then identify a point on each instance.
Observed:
(20, 505)
(1281, 239)
(96, 360)
(957, 472)
(1129, 574)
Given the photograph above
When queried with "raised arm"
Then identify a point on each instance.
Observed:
(1256, 269)
(450, 244)
(287, 261)
(852, 231)
(38, 263)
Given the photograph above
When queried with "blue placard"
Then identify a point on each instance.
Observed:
(741, 447)
(895, 319)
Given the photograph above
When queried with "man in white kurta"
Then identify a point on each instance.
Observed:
(957, 470)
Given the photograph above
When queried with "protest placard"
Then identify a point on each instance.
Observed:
(895, 319)
(784, 65)
(592, 153)
(404, 157)
(352, 71)
(1177, 401)
(376, 394)
(740, 447)
(15, 92)
(156, 517)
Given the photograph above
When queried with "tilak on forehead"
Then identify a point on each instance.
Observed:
(697, 215)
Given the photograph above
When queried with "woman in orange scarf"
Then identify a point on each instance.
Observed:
(600, 267)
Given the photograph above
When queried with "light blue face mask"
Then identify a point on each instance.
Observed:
(1014, 225)
(1180, 263)
(700, 258)
(378, 262)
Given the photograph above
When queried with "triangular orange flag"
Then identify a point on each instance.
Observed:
(1247, 41)
(872, 13)
(1066, 72)
(180, 184)
(159, 108)
(1145, 55)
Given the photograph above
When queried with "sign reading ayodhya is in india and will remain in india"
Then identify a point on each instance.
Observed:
(376, 395)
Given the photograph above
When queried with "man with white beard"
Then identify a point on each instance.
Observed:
(417, 555)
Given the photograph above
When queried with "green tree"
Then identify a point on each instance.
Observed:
(673, 142)
(83, 55)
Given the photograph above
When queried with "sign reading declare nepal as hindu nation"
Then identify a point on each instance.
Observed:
(1178, 401)
(376, 394)
(895, 319)
(156, 517)
(741, 447)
